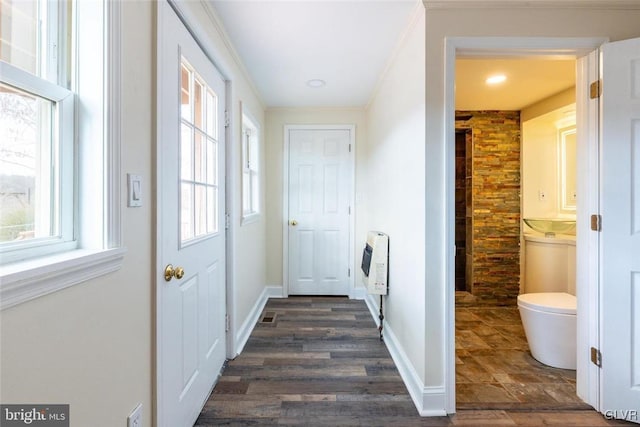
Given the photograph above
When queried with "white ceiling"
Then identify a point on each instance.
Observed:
(283, 44)
(529, 80)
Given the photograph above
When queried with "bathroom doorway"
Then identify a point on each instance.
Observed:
(494, 367)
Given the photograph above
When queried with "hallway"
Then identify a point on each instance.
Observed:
(319, 362)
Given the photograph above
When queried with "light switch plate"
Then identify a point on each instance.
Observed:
(134, 187)
(135, 419)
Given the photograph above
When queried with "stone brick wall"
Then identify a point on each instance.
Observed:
(495, 205)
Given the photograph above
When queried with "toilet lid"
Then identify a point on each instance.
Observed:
(551, 302)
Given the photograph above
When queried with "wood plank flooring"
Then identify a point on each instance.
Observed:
(320, 363)
(495, 370)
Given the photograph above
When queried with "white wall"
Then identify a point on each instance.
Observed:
(92, 345)
(540, 152)
(394, 188)
(276, 119)
(468, 22)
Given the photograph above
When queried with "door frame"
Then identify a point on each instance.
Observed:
(189, 20)
(285, 201)
(588, 380)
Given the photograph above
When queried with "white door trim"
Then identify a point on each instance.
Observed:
(285, 201)
(573, 47)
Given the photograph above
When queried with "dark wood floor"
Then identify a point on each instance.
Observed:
(320, 363)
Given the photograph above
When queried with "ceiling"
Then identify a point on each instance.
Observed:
(284, 44)
(528, 81)
(348, 43)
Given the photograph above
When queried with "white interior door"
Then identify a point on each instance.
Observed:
(620, 287)
(319, 212)
(191, 234)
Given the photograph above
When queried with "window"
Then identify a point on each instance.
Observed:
(59, 164)
(198, 157)
(36, 132)
(250, 169)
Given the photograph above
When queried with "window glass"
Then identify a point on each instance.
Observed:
(250, 168)
(198, 151)
(27, 182)
(19, 34)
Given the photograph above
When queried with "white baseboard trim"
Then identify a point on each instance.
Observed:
(274, 292)
(429, 401)
(359, 292)
(250, 322)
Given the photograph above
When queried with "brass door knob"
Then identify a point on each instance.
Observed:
(293, 222)
(170, 272)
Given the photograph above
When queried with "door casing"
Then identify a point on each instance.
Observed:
(588, 381)
(285, 202)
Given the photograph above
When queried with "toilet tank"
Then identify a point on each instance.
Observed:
(549, 264)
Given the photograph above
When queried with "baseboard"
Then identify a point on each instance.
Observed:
(358, 292)
(274, 292)
(250, 322)
(429, 401)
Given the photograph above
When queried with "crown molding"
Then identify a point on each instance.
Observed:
(533, 4)
(222, 32)
(418, 11)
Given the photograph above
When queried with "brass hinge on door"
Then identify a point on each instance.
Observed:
(596, 222)
(596, 357)
(595, 89)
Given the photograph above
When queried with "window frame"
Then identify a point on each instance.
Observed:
(64, 101)
(250, 145)
(98, 200)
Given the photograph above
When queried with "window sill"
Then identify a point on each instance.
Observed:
(24, 281)
(249, 219)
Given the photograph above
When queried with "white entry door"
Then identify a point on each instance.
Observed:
(319, 197)
(191, 233)
(620, 287)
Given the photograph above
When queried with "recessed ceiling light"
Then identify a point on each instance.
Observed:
(496, 79)
(316, 83)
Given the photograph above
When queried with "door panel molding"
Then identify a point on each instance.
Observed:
(285, 202)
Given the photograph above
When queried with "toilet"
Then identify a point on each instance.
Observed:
(548, 304)
(549, 321)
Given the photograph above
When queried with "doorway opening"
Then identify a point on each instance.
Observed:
(505, 175)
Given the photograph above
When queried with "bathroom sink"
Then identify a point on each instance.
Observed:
(551, 226)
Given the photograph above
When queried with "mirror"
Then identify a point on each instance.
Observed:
(567, 168)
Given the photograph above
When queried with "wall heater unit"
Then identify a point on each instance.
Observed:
(375, 263)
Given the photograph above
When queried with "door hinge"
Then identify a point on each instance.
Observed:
(349, 272)
(596, 222)
(349, 210)
(227, 323)
(595, 89)
(227, 221)
(349, 147)
(227, 120)
(596, 357)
